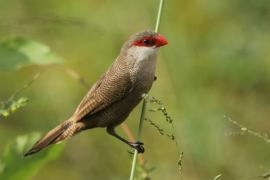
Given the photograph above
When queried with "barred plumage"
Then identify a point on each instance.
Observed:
(115, 94)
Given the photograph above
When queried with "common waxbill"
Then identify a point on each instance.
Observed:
(111, 99)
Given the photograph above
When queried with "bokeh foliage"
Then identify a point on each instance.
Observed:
(13, 166)
(18, 52)
(216, 64)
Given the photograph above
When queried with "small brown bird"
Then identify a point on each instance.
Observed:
(111, 99)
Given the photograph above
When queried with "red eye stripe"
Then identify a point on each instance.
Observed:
(149, 41)
(146, 41)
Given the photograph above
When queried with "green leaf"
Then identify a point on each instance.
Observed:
(13, 165)
(4, 112)
(19, 52)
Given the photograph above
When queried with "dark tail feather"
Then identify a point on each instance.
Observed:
(56, 135)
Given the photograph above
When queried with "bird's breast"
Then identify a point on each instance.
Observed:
(143, 73)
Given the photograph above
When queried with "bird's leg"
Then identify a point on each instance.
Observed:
(137, 145)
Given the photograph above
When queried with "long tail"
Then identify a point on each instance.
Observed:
(61, 132)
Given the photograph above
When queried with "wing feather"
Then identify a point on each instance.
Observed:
(114, 85)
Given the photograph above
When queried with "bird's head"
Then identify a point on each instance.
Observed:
(145, 42)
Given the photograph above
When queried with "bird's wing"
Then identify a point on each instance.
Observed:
(111, 87)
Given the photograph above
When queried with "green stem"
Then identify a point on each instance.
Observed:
(132, 173)
(161, 2)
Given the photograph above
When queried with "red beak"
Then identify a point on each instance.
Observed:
(160, 41)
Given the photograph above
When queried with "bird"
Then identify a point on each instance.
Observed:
(115, 94)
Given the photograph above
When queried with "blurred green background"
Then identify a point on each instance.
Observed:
(217, 63)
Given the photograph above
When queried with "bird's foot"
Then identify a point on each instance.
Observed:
(138, 146)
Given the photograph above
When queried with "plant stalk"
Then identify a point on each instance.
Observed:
(139, 132)
(132, 173)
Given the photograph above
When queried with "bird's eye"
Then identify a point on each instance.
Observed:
(148, 42)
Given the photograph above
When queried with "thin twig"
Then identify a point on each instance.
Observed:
(161, 108)
(133, 167)
(25, 86)
(217, 176)
(161, 2)
(75, 75)
(265, 176)
(244, 129)
(9, 101)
